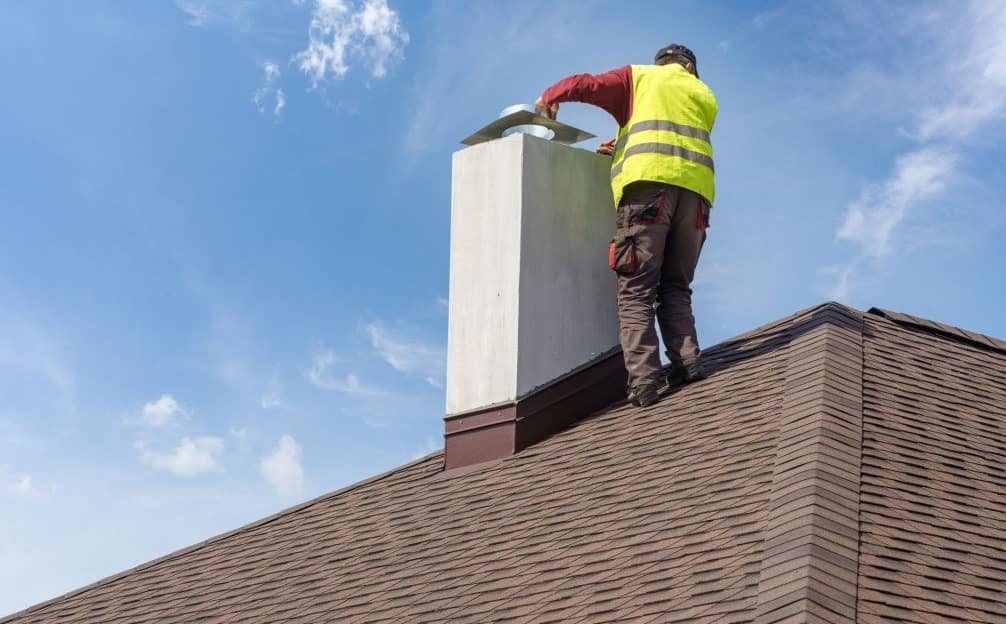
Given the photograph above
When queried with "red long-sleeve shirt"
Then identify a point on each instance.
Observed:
(611, 91)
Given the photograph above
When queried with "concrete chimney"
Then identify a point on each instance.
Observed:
(533, 332)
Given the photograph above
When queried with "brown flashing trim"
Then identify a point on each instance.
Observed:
(480, 419)
(811, 550)
(461, 471)
(498, 431)
(480, 444)
(947, 331)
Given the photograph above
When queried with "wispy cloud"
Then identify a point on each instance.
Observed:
(410, 356)
(971, 95)
(163, 412)
(32, 351)
(199, 13)
(976, 79)
(193, 456)
(344, 31)
(233, 347)
(204, 13)
(282, 468)
(320, 374)
(840, 276)
(273, 396)
(241, 435)
(19, 484)
(765, 18)
(270, 96)
(918, 176)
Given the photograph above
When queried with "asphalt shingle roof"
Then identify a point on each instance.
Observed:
(836, 466)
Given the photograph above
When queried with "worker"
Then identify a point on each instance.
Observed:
(662, 182)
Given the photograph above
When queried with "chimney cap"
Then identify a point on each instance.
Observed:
(523, 115)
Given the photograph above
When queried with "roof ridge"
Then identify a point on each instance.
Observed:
(947, 331)
(219, 537)
(782, 324)
(809, 550)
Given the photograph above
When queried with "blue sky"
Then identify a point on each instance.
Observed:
(224, 226)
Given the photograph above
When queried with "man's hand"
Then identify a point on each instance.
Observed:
(548, 111)
(607, 148)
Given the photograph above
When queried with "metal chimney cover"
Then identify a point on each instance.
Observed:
(516, 118)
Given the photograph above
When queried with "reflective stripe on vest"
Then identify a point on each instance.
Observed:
(661, 148)
(667, 138)
(657, 124)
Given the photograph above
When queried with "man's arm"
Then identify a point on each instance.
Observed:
(611, 91)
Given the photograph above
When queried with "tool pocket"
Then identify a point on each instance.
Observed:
(649, 213)
(702, 220)
(622, 254)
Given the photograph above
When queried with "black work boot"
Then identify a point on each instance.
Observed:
(643, 395)
(685, 373)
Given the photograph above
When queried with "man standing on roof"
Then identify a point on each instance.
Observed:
(662, 181)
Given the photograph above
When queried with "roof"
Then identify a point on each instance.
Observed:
(836, 466)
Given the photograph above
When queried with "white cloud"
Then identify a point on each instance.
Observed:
(966, 96)
(342, 31)
(269, 92)
(409, 356)
(271, 70)
(282, 468)
(280, 102)
(976, 80)
(18, 484)
(205, 13)
(163, 412)
(22, 485)
(273, 396)
(765, 18)
(192, 457)
(919, 176)
(199, 13)
(841, 275)
(320, 375)
(436, 382)
(241, 435)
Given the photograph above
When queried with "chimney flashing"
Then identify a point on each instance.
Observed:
(532, 309)
(498, 431)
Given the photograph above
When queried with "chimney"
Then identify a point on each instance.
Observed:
(533, 332)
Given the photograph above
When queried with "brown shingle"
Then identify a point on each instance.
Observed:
(934, 501)
(835, 467)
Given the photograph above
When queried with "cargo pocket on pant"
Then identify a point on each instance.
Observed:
(702, 220)
(622, 254)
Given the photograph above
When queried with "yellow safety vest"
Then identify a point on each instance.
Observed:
(667, 138)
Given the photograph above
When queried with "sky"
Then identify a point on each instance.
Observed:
(224, 225)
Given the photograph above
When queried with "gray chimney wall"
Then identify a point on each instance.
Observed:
(531, 296)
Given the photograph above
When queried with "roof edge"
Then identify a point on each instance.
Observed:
(941, 329)
(211, 540)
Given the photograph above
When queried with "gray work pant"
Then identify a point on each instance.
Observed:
(666, 226)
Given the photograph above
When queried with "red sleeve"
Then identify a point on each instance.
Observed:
(611, 91)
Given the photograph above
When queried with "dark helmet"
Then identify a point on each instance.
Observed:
(676, 49)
